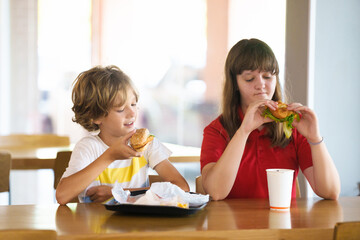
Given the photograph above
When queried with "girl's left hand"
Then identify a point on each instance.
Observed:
(308, 124)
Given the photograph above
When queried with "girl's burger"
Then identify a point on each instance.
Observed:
(282, 115)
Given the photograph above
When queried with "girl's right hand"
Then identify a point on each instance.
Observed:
(253, 118)
(121, 150)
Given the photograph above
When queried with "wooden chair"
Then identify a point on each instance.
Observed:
(347, 231)
(61, 163)
(24, 141)
(145, 237)
(298, 192)
(155, 178)
(27, 234)
(5, 166)
(198, 185)
(183, 159)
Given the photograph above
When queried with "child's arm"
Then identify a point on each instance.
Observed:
(170, 174)
(71, 186)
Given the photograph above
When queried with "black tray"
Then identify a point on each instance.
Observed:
(151, 209)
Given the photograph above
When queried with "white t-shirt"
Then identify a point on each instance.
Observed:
(130, 173)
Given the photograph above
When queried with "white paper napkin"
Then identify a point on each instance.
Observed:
(160, 193)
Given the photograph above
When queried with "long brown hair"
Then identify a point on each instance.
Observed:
(249, 54)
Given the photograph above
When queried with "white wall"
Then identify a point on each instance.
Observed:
(262, 19)
(23, 65)
(337, 85)
(298, 55)
(322, 65)
(4, 66)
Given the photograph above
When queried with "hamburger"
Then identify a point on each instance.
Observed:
(282, 115)
(140, 139)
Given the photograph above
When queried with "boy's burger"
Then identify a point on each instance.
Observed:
(281, 114)
(140, 139)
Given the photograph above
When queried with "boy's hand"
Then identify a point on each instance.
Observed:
(99, 193)
(121, 150)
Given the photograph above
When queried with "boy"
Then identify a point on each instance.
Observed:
(105, 100)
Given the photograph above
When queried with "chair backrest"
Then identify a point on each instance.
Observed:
(198, 185)
(298, 192)
(347, 230)
(155, 178)
(146, 237)
(5, 166)
(184, 159)
(61, 163)
(27, 234)
(24, 141)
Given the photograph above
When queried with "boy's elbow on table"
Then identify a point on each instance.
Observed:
(185, 187)
(60, 196)
(181, 183)
(60, 199)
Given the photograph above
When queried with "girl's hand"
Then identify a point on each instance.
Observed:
(308, 124)
(253, 118)
(99, 193)
(121, 150)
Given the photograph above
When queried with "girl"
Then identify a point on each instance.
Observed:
(241, 144)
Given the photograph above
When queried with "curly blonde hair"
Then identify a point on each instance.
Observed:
(95, 91)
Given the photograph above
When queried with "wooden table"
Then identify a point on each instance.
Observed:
(44, 158)
(35, 158)
(234, 219)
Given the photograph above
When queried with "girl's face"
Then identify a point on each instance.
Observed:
(255, 85)
(120, 120)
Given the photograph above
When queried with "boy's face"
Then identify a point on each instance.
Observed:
(120, 120)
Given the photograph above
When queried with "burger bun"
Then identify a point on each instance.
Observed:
(140, 139)
(281, 112)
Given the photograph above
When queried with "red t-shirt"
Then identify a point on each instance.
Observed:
(251, 180)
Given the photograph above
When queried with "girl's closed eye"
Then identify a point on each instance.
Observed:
(268, 76)
(249, 80)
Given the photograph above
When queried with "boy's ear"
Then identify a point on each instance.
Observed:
(97, 121)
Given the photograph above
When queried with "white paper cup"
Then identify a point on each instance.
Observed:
(280, 183)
